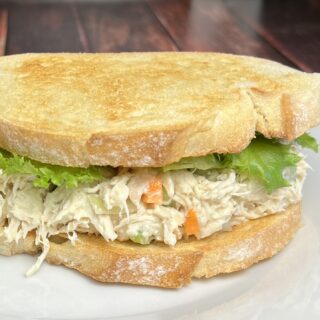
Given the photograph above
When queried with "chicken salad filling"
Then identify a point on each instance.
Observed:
(140, 205)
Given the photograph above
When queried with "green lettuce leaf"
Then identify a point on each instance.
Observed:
(264, 160)
(306, 141)
(45, 174)
(211, 161)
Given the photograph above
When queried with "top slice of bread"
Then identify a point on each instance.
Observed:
(148, 109)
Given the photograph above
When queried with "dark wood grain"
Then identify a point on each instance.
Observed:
(82, 34)
(206, 25)
(3, 30)
(42, 27)
(292, 27)
(287, 31)
(121, 26)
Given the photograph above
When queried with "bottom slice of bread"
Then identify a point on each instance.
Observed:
(170, 267)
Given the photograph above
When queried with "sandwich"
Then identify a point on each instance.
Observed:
(152, 168)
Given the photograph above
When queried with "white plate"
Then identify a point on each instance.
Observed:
(286, 286)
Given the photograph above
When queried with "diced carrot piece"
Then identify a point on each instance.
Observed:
(191, 225)
(154, 193)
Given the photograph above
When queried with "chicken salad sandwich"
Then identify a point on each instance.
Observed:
(152, 168)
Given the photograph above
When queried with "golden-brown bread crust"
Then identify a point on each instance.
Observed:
(171, 267)
(148, 109)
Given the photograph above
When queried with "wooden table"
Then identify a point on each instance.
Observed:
(284, 30)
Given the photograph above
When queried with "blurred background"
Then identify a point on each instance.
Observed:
(287, 31)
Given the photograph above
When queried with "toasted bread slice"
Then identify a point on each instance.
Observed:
(170, 267)
(148, 109)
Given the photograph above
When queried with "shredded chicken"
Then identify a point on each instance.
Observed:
(114, 208)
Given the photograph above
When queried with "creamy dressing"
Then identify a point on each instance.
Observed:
(114, 210)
